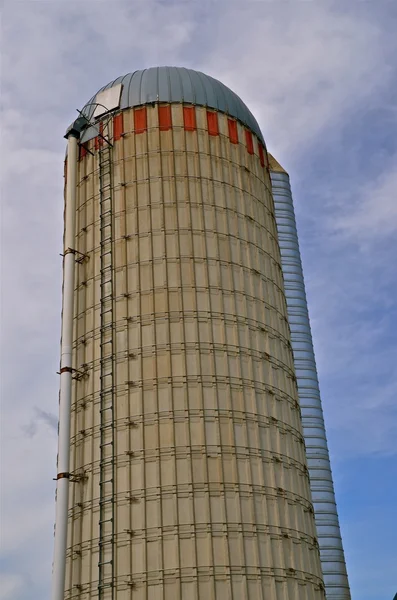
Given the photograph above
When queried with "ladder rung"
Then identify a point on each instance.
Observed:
(105, 585)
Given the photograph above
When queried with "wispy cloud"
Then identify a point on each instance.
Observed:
(372, 216)
(41, 416)
(303, 66)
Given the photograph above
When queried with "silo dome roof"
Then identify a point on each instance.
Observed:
(178, 84)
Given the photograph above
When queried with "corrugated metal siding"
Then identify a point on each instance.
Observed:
(327, 522)
(212, 496)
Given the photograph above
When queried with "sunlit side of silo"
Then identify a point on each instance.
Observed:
(188, 474)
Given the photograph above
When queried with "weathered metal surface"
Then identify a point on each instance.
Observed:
(211, 489)
(176, 84)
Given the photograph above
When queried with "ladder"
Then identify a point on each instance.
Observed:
(106, 564)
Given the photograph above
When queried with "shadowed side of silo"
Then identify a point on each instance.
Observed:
(188, 474)
(322, 488)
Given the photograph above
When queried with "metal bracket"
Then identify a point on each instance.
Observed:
(86, 149)
(91, 124)
(72, 478)
(79, 374)
(81, 258)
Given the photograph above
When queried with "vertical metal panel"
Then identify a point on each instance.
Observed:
(233, 132)
(118, 126)
(98, 140)
(165, 121)
(189, 118)
(327, 523)
(211, 491)
(248, 141)
(212, 122)
(140, 119)
(82, 151)
(261, 154)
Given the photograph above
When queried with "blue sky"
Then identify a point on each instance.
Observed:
(321, 79)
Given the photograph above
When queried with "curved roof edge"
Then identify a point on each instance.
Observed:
(178, 84)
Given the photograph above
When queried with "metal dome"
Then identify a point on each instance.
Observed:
(177, 84)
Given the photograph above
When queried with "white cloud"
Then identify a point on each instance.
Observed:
(302, 67)
(10, 586)
(372, 215)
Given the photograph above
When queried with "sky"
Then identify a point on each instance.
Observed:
(320, 77)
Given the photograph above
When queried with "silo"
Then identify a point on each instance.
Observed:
(187, 476)
(322, 487)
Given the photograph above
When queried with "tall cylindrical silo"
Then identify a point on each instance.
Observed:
(322, 488)
(188, 475)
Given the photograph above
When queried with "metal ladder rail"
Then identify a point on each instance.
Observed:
(106, 566)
